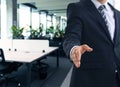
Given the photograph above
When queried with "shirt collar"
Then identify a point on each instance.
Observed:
(98, 4)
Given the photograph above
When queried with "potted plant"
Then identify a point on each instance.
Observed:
(17, 32)
(50, 30)
(59, 34)
(57, 37)
(36, 33)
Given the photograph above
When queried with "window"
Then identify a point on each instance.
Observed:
(54, 21)
(35, 19)
(24, 16)
(49, 21)
(3, 30)
(43, 21)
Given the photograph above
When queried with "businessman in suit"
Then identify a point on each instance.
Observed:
(92, 41)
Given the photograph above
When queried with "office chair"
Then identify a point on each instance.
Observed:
(6, 68)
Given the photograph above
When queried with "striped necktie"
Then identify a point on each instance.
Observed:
(101, 10)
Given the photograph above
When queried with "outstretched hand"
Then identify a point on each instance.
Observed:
(77, 53)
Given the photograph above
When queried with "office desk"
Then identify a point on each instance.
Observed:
(28, 57)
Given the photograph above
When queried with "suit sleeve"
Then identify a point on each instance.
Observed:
(73, 30)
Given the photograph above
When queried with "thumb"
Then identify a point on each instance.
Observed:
(86, 48)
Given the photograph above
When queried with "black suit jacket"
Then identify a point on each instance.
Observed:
(85, 25)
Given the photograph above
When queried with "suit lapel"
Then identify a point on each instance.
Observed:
(117, 31)
(117, 28)
(91, 7)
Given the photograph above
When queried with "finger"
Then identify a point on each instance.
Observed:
(77, 58)
(78, 55)
(86, 48)
(77, 63)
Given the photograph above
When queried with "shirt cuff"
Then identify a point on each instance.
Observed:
(72, 50)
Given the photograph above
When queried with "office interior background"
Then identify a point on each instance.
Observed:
(33, 14)
(37, 19)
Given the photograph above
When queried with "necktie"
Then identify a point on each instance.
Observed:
(101, 10)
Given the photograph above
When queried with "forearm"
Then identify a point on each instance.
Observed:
(68, 44)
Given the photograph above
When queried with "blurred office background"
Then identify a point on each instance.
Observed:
(40, 19)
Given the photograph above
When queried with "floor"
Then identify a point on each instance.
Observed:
(66, 81)
(55, 77)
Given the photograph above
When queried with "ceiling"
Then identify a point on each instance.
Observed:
(57, 7)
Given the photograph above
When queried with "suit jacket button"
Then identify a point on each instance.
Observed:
(116, 71)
